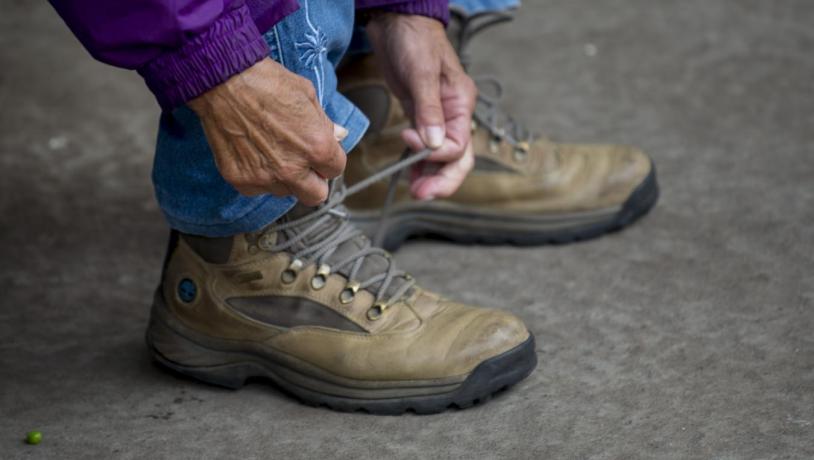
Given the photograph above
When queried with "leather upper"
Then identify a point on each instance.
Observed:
(424, 336)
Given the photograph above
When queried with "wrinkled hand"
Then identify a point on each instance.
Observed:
(424, 72)
(269, 134)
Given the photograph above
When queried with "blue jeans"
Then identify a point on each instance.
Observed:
(478, 6)
(310, 42)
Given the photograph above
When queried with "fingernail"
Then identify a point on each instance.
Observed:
(340, 132)
(434, 136)
(430, 191)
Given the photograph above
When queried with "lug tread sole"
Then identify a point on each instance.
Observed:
(640, 202)
(489, 378)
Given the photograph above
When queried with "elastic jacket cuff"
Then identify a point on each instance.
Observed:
(231, 45)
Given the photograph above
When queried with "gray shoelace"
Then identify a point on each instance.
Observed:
(488, 112)
(326, 231)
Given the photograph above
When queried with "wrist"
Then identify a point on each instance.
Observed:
(202, 104)
(377, 22)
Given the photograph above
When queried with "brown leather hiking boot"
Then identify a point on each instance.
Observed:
(523, 190)
(310, 305)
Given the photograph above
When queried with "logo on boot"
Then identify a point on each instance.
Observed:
(187, 290)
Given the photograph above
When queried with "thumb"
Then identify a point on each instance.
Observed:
(429, 114)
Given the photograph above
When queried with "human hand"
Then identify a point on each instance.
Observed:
(424, 73)
(269, 134)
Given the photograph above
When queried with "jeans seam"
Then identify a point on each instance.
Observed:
(279, 46)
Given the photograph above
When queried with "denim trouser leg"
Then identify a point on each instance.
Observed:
(190, 190)
(478, 6)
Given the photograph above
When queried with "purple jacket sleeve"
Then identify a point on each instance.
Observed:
(438, 9)
(181, 48)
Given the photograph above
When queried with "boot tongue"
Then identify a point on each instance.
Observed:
(299, 211)
(373, 264)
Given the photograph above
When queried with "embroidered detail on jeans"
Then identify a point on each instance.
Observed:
(312, 51)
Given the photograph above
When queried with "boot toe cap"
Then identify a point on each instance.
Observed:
(489, 334)
(630, 166)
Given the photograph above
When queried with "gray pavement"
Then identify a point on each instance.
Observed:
(686, 336)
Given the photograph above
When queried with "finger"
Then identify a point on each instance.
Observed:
(428, 109)
(450, 151)
(459, 96)
(458, 131)
(340, 133)
(413, 140)
(420, 174)
(446, 180)
(327, 158)
(423, 168)
(331, 164)
(310, 189)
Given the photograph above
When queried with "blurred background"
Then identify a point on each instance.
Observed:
(688, 335)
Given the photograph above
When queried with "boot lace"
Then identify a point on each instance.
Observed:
(326, 237)
(501, 126)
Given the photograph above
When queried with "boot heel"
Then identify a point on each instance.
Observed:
(180, 354)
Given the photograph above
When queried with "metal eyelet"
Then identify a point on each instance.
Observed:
(347, 294)
(375, 312)
(264, 242)
(321, 278)
(494, 145)
(521, 151)
(290, 274)
(251, 243)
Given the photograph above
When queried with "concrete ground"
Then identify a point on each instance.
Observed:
(687, 336)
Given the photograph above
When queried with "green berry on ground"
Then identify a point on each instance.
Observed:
(33, 437)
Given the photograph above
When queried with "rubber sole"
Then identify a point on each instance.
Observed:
(460, 225)
(237, 368)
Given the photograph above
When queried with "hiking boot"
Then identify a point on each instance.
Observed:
(524, 189)
(309, 304)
